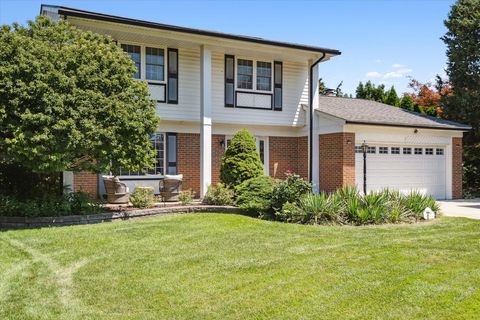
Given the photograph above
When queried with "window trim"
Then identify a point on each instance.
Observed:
(254, 76)
(277, 86)
(231, 81)
(172, 75)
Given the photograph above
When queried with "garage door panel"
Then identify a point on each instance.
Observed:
(403, 172)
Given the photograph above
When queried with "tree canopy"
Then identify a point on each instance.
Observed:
(68, 101)
(463, 69)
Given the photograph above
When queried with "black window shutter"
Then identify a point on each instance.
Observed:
(277, 85)
(171, 153)
(172, 75)
(229, 81)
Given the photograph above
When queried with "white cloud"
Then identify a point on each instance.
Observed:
(378, 61)
(373, 74)
(397, 66)
(399, 73)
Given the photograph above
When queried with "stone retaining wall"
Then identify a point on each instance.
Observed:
(27, 222)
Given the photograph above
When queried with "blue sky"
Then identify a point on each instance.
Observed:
(383, 41)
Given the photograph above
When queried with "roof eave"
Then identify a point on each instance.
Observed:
(65, 11)
(386, 124)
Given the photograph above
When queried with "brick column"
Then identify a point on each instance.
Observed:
(85, 181)
(188, 160)
(457, 169)
(337, 160)
(217, 153)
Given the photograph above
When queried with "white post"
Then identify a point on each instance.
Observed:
(205, 119)
(68, 181)
(315, 142)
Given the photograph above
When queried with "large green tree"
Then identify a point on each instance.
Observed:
(463, 70)
(370, 92)
(68, 101)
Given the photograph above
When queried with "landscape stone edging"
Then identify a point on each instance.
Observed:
(29, 222)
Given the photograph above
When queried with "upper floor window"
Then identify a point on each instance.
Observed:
(154, 64)
(245, 74)
(135, 54)
(264, 76)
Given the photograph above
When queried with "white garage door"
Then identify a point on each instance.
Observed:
(403, 168)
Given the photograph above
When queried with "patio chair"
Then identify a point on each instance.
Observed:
(170, 187)
(117, 192)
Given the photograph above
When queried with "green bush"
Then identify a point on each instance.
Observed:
(219, 195)
(348, 206)
(417, 202)
(241, 160)
(142, 197)
(76, 203)
(289, 190)
(254, 195)
(186, 197)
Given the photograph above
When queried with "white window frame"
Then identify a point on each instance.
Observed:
(266, 152)
(254, 76)
(143, 60)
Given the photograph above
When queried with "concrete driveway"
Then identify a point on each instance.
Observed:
(467, 208)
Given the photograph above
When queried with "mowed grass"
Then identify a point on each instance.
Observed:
(219, 266)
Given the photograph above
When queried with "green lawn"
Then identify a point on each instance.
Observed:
(235, 267)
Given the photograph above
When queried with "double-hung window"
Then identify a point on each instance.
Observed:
(245, 74)
(135, 54)
(154, 64)
(159, 67)
(264, 76)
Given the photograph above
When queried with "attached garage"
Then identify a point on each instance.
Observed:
(404, 150)
(402, 167)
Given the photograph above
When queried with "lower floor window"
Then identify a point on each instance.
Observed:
(165, 147)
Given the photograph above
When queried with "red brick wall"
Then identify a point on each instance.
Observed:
(218, 150)
(337, 160)
(85, 181)
(457, 168)
(188, 160)
(303, 157)
(289, 153)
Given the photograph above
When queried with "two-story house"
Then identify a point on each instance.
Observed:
(208, 85)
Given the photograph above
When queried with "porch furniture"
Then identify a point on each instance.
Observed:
(117, 192)
(170, 187)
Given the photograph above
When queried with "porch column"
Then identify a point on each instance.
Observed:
(315, 149)
(205, 119)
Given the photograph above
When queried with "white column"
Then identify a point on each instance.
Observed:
(205, 119)
(315, 147)
(67, 181)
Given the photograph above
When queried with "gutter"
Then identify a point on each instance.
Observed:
(312, 113)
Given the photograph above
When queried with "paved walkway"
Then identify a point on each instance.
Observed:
(467, 208)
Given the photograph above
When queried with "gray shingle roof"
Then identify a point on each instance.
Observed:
(362, 111)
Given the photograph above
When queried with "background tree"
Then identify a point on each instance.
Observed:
(407, 103)
(241, 160)
(391, 97)
(338, 90)
(463, 69)
(370, 92)
(68, 101)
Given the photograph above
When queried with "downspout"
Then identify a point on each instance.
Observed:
(310, 102)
